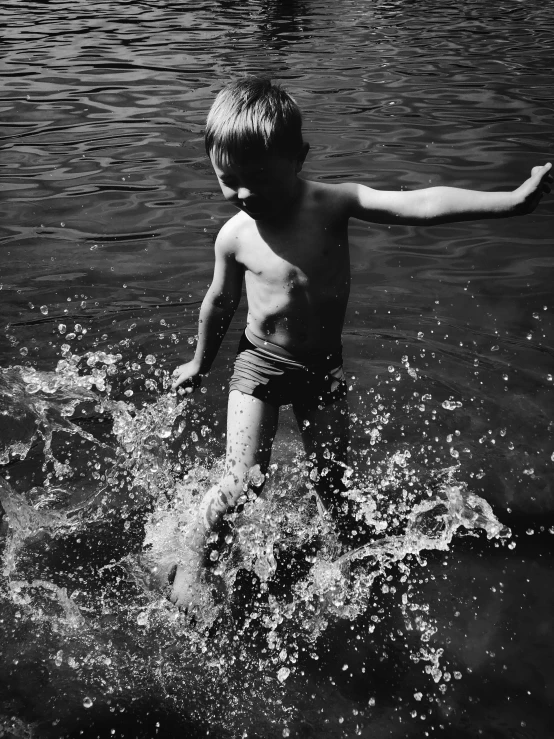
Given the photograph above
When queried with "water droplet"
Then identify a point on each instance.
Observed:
(451, 405)
(142, 618)
(150, 359)
(44, 310)
(283, 673)
(87, 702)
(24, 351)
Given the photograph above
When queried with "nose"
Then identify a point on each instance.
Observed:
(244, 193)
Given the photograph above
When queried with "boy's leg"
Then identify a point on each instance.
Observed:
(251, 427)
(326, 436)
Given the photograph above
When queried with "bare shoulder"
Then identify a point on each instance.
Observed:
(336, 197)
(231, 234)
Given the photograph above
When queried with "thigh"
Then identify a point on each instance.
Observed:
(251, 428)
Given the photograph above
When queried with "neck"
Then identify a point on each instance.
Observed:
(288, 209)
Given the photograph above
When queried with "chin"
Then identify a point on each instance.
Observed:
(255, 214)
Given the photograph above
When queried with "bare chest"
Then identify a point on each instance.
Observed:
(295, 259)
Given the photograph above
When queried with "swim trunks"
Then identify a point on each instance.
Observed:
(271, 373)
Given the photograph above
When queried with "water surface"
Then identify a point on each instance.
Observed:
(108, 216)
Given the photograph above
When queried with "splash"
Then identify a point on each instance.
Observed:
(91, 535)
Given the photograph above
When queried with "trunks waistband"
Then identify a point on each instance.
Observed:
(333, 357)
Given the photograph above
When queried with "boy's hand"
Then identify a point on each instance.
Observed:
(187, 374)
(531, 191)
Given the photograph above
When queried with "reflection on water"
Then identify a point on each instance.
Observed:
(440, 626)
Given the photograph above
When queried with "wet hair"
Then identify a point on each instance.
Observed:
(253, 116)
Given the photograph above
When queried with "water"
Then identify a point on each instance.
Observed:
(440, 627)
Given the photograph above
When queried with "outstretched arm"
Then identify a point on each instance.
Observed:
(217, 310)
(446, 204)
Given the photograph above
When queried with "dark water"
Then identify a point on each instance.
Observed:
(109, 213)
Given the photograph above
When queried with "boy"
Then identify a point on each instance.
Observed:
(289, 242)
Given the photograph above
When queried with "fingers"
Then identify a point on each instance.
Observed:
(545, 177)
(542, 170)
(193, 381)
(176, 385)
(537, 185)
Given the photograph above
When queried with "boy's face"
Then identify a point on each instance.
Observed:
(264, 187)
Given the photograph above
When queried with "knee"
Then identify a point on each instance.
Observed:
(228, 493)
(219, 499)
(242, 482)
(230, 487)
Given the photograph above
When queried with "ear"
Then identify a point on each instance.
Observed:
(302, 156)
